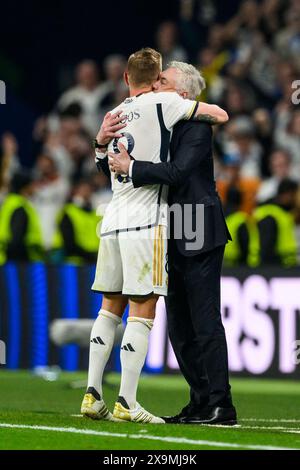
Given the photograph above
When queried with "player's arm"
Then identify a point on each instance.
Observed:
(210, 113)
(110, 129)
(101, 160)
(175, 108)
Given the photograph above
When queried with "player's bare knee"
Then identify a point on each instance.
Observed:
(115, 304)
(143, 307)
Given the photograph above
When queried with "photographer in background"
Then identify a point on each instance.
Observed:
(9, 161)
(20, 230)
(277, 227)
(76, 240)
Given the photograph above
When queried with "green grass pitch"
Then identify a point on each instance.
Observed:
(35, 414)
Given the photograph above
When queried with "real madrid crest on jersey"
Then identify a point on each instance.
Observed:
(128, 141)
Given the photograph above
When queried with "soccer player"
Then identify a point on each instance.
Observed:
(132, 256)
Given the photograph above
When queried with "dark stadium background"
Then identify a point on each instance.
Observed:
(40, 43)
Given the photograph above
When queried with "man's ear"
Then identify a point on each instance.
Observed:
(126, 80)
(184, 94)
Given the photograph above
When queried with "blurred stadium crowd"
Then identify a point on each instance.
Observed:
(249, 64)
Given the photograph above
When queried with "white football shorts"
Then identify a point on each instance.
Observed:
(133, 263)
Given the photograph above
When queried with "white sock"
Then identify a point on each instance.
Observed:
(102, 341)
(133, 354)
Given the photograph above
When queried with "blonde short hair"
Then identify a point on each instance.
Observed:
(144, 67)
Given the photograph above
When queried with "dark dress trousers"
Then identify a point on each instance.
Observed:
(193, 302)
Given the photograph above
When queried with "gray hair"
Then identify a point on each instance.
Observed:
(188, 79)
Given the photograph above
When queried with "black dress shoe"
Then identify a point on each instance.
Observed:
(212, 415)
(189, 410)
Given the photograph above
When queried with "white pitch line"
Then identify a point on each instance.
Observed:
(272, 420)
(173, 440)
(292, 432)
(238, 426)
(258, 420)
(272, 428)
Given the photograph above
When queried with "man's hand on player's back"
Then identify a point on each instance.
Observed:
(119, 162)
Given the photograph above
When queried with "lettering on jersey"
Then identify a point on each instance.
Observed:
(132, 116)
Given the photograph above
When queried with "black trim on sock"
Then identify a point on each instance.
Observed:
(94, 392)
(123, 402)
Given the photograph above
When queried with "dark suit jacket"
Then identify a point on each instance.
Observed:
(190, 175)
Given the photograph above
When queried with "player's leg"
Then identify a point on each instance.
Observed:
(141, 279)
(134, 347)
(133, 354)
(102, 340)
(108, 278)
(101, 344)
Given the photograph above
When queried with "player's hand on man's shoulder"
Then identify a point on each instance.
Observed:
(110, 127)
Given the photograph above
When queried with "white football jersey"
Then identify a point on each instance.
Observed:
(150, 118)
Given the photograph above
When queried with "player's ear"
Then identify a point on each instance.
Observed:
(125, 76)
